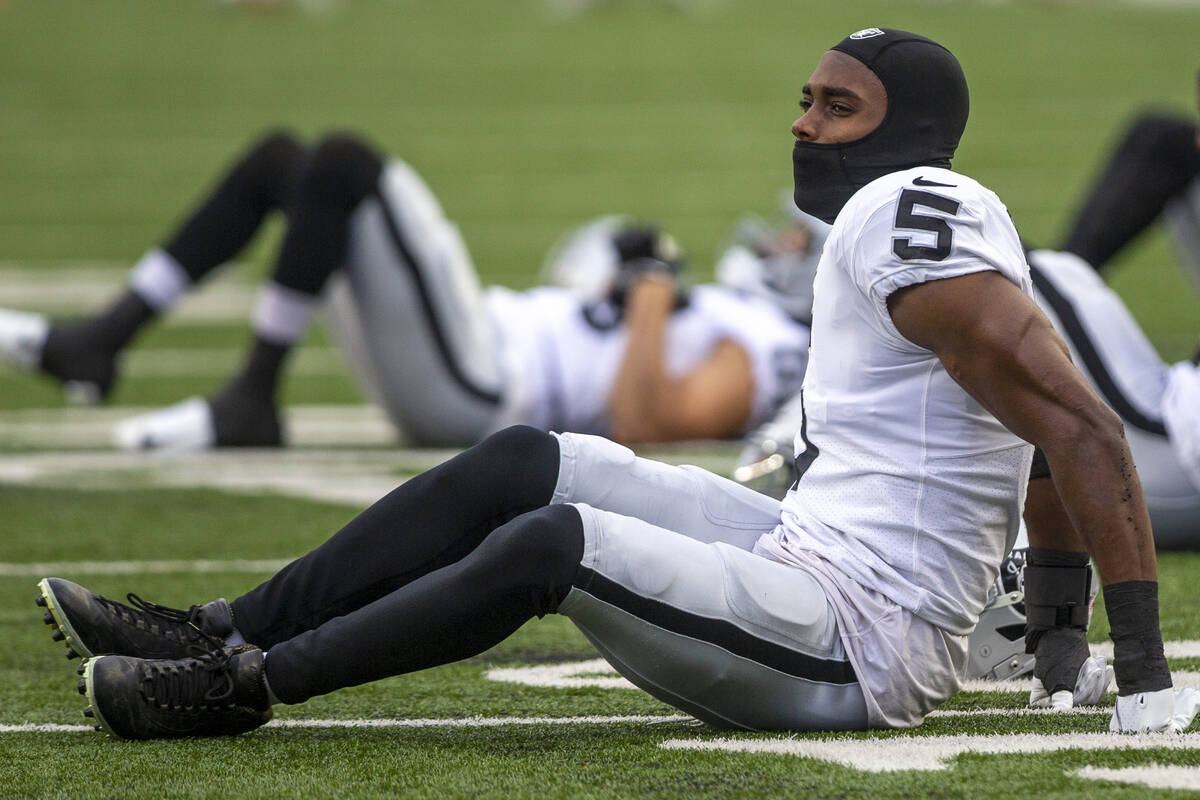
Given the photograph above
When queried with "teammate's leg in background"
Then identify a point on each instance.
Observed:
(83, 354)
(1156, 160)
(330, 182)
(341, 172)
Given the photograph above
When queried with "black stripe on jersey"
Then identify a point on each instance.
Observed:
(1091, 357)
(723, 634)
(435, 323)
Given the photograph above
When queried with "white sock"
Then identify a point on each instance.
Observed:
(159, 279)
(281, 315)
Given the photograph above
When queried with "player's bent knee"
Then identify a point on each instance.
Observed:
(516, 450)
(342, 171)
(273, 158)
(1152, 133)
(510, 472)
(276, 146)
(536, 555)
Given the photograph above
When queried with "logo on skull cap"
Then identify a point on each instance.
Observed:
(866, 33)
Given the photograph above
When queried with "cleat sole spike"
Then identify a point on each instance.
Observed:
(57, 635)
(87, 712)
(71, 653)
(41, 601)
(48, 618)
(82, 687)
(81, 669)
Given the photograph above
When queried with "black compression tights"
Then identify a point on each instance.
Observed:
(445, 566)
(263, 180)
(316, 188)
(1155, 161)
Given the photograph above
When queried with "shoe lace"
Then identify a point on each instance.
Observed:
(205, 679)
(148, 616)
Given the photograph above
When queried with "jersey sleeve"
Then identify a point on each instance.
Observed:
(914, 232)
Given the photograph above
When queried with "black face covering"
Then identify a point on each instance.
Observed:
(927, 107)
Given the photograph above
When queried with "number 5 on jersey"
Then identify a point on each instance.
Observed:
(908, 219)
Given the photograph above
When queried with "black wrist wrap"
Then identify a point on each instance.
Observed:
(1057, 592)
(1138, 659)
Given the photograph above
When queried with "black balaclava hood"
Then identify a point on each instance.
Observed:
(927, 106)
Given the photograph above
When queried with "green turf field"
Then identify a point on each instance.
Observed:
(525, 119)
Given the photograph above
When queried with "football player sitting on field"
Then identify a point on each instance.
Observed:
(640, 357)
(932, 376)
(1158, 403)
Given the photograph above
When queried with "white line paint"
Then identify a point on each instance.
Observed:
(593, 673)
(477, 722)
(362, 466)
(1184, 648)
(1182, 678)
(1152, 775)
(1083, 711)
(462, 722)
(356, 476)
(44, 727)
(75, 287)
(75, 428)
(598, 673)
(902, 753)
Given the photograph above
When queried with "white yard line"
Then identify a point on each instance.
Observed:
(89, 428)
(460, 722)
(926, 753)
(353, 476)
(1182, 678)
(1184, 648)
(1083, 711)
(72, 287)
(1155, 776)
(598, 673)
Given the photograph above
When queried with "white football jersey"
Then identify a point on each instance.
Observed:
(907, 485)
(562, 354)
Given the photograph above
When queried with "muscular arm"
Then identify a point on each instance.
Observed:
(646, 404)
(1002, 350)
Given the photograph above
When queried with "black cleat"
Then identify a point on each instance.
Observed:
(245, 421)
(220, 693)
(77, 357)
(92, 625)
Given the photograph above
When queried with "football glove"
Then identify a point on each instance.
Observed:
(644, 250)
(1163, 711)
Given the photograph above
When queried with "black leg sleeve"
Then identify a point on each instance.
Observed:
(263, 180)
(523, 569)
(1155, 161)
(340, 174)
(430, 521)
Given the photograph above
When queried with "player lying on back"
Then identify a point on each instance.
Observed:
(641, 358)
(846, 606)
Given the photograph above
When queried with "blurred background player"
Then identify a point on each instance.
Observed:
(1152, 173)
(635, 355)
